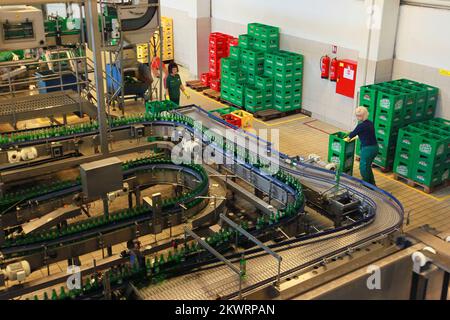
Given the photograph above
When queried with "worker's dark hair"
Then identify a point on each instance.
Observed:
(171, 66)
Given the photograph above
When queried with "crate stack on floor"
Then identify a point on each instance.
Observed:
(393, 105)
(258, 76)
(167, 43)
(423, 153)
(167, 39)
(219, 48)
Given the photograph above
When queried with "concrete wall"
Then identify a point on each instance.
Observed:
(191, 27)
(310, 28)
(422, 48)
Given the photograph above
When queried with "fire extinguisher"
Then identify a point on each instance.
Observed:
(333, 69)
(324, 66)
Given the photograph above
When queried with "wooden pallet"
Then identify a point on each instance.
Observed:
(213, 94)
(425, 188)
(196, 85)
(228, 103)
(270, 114)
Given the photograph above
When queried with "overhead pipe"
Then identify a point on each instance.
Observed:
(435, 4)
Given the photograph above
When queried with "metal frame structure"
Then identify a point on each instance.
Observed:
(255, 241)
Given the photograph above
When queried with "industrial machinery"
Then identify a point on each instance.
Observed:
(204, 210)
(21, 27)
(278, 197)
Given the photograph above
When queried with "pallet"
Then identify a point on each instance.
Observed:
(213, 94)
(270, 114)
(228, 103)
(382, 169)
(426, 189)
(196, 85)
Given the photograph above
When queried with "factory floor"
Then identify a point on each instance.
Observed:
(298, 135)
(302, 135)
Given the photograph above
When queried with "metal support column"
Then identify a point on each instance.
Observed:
(94, 38)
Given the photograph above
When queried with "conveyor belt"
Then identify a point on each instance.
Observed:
(220, 281)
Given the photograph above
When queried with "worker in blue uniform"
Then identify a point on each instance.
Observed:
(365, 131)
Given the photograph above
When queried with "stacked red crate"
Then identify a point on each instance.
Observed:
(219, 47)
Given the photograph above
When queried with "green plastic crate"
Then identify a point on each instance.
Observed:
(390, 100)
(159, 106)
(336, 143)
(225, 110)
(267, 44)
(430, 163)
(358, 147)
(430, 178)
(387, 142)
(368, 98)
(264, 83)
(269, 59)
(245, 41)
(407, 137)
(429, 144)
(266, 32)
(389, 117)
(382, 130)
(252, 55)
(235, 53)
(253, 93)
(344, 162)
(385, 158)
(228, 64)
(441, 122)
(251, 28)
(286, 59)
(403, 167)
(237, 77)
(405, 154)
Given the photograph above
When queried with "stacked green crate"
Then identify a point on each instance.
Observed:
(424, 147)
(252, 64)
(288, 76)
(413, 101)
(388, 120)
(227, 65)
(272, 79)
(341, 152)
(404, 156)
(368, 99)
(265, 38)
(266, 84)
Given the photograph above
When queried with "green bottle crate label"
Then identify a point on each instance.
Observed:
(336, 146)
(335, 159)
(427, 148)
(403, 170)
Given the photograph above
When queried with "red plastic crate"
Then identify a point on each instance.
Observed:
(217, 54)
(232, 119)
(215, 84)
(233, 41)
(206, 79)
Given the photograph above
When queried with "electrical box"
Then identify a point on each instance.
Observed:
(346, 78)
(21, 27)
(101, 177)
